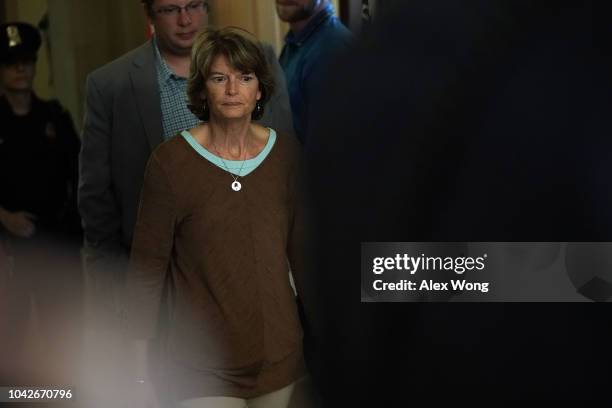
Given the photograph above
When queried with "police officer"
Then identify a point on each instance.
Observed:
(39, 223)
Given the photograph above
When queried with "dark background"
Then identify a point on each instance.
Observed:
(462, 121)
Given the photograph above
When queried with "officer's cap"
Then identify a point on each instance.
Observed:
(18, 41)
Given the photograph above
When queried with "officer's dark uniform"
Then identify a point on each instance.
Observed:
(38, 175)
(39, 167)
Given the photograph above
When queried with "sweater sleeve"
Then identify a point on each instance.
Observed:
(297, 240)
(295, 244)
(295, 237)
(151, 249)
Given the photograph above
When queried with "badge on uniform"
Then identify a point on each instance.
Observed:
(50, 131)
(13, 35)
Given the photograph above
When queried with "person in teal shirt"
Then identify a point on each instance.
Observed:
(315, 36)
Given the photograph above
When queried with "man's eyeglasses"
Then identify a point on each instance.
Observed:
(195, 7)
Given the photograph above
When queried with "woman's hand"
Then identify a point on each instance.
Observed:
(141, 394)
(19, 223)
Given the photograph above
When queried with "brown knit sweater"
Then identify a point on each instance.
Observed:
(233, 324)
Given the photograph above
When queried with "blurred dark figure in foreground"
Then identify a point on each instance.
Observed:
(463, 121)
(40, 278)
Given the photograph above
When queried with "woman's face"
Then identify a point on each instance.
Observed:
(230, 94)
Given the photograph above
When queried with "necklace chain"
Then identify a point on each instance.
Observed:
(235, 177)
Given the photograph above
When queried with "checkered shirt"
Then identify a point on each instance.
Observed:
(173, 95)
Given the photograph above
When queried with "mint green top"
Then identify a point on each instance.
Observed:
(232, 165)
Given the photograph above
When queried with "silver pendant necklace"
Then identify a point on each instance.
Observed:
(236, 185)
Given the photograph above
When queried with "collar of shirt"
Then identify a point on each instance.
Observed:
(322, 16)
(163, 70)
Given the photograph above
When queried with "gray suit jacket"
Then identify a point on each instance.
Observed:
(122, 126)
